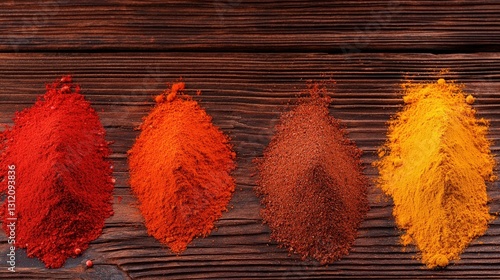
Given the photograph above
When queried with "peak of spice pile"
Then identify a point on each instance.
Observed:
(311, 183)
(61, 188)
(180, 169)
(434, 166)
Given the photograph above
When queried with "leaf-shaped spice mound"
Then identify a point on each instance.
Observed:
(180, 170)
(434, 166)
(63, 185)
(311, 184)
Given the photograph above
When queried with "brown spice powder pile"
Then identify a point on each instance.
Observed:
(311, 183)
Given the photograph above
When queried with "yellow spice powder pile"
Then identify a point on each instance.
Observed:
(434, 166)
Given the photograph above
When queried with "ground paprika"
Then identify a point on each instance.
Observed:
(62, 185)
(180, 170)
(311, 183)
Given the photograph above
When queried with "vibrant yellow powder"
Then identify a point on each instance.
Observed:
(469, 99)
(434, 166)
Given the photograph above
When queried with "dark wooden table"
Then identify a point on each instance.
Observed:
(249, 58)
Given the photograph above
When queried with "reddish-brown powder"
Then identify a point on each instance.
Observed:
(63, 185)
(311, 183)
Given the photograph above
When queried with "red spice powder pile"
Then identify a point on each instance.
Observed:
(180, 170)
(63, 184)
(311, 183)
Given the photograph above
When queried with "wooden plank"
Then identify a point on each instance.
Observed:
(242, 25)
(245, 93)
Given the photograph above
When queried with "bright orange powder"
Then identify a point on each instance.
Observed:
(180, 170)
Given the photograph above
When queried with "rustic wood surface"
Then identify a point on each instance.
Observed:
(250, 59)
(243, 25)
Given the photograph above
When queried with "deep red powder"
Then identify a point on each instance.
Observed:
(63, 183)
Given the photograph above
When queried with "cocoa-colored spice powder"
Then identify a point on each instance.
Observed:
(311, 182)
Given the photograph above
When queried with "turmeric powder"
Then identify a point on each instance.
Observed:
(434, 166)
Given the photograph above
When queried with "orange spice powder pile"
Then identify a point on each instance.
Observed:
(180, 170)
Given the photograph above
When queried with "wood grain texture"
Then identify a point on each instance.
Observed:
(250, 26)
(245, 93)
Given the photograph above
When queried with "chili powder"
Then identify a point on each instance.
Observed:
(311, 183)
(180, 170)
(63, 184)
